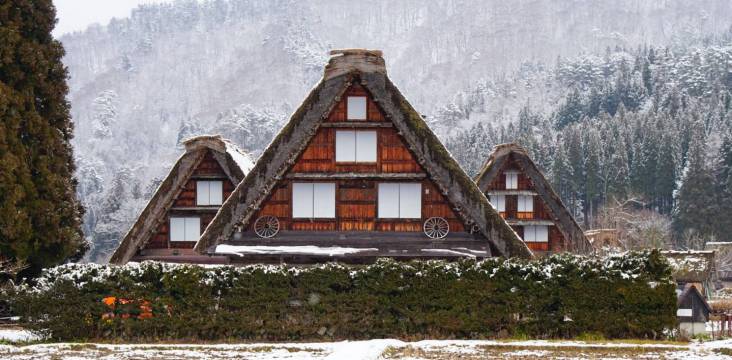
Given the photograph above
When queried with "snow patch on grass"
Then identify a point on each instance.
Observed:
(17, 335)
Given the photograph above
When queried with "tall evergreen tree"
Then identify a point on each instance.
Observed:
(39, 213)
(593, 180)
(560, 173)
(667, 169)
(697, 202)
(619, 179)
(570, 111)
(723, 172)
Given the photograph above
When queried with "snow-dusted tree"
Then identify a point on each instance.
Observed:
(697, 201)
(104, 114)
(119, 208)
(619, 171)
(667, 168)
(249, 127)
(592, 171)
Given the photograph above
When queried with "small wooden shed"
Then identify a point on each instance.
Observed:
(692, 311)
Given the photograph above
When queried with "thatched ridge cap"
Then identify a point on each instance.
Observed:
(345, 61)
(357, 51)
(508, 147)
(215, 142)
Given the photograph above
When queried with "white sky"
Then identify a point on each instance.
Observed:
(76, 15)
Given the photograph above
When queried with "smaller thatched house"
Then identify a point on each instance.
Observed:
(692, 311)
(693, 267)
(522, 195)
(186, 201)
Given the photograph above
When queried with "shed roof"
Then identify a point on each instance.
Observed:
(366, 67)
(691, 265)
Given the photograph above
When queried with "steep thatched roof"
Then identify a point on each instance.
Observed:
(366, 67)
(563, 219)
(235, 163)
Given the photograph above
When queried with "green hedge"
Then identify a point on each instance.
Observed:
(556, 297)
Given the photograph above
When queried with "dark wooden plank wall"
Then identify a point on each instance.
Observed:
(555, 244)
(208, 169)
(541, 211)
(356, 200)
(340, 111)
(499, 182)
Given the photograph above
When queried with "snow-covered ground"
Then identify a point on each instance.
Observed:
(16, 335)
(375, 349)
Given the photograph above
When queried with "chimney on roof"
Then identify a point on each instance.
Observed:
(343, 61)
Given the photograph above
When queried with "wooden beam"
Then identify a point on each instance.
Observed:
(214, 208)
(351, 175)
(511, 192)
(209, 177)
(356, 124)
(529, 222)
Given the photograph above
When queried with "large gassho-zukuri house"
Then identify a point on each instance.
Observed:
(356, 174)
(522, 195)
(185, 202)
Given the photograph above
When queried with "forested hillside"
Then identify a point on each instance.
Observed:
(643, 129)
(239, 67)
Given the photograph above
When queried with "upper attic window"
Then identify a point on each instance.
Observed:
(185, 228)
(356, 108)
(511, 180)
(355, 146)
(209, 193)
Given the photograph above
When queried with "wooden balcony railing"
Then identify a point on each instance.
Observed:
(503, 214)
(525, 215)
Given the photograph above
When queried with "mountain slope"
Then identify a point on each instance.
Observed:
(141, 84)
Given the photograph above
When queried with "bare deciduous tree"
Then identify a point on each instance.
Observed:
(637, 226)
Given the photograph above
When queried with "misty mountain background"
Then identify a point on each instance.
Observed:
(595, 89)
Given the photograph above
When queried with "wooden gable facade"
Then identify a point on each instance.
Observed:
(356, 183)
(355, 175)
(525, 199)
(185, 203)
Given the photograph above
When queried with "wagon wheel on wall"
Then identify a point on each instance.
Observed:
(436, 228)
(266, 226)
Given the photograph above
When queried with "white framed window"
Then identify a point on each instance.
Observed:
(185, 228)
(209, 192)
(356, 108)
(499, 202)
(355, 146)
(536, 233)
(525, 203)
(313, 200)
(511, 180)
(400, 200)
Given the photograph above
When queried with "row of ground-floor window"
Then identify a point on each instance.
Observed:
(317, 200)
(189, 229)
